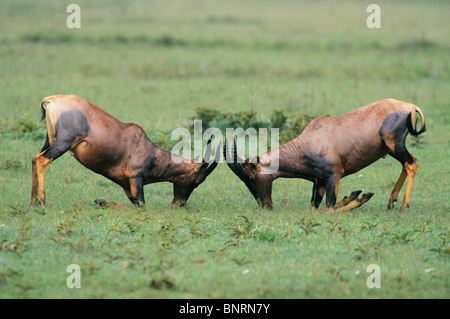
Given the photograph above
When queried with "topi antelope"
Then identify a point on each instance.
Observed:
(331, 148)
(119, 151)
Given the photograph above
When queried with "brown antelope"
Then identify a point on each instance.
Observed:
(119, 151)
(331, 148)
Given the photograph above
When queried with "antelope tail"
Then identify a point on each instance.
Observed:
(411, 121)
(43, 112)
(45, 101)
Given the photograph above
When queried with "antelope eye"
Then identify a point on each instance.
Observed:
(251, 177)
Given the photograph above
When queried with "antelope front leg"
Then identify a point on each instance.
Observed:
(136, 192)
(317, 195)
(332, 189)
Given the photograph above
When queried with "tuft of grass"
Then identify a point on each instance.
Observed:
(194, 228)
(444, 248)
(308, 226)
(402, 238)
(244, 229)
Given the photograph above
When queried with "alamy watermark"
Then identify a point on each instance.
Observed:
(74, 19)
(374, 19)
(374, 279)
(74, 279)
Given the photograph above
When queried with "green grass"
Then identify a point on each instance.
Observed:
(153, 64)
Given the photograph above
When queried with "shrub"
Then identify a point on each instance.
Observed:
(24, 124)
(289, 127)
(278, 119)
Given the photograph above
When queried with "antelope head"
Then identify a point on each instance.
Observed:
(196, 173)
(249, 171)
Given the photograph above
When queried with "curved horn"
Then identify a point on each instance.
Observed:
(216, 160)
(225, 151)
(240, 171)
(236, 167)
(208, 151)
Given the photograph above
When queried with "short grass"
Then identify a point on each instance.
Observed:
(152, 63)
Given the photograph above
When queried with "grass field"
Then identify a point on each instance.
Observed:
(153, 63)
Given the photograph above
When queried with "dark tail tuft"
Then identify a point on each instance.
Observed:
(411, 129)
(42, 114)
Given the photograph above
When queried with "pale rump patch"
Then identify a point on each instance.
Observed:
(53, 110)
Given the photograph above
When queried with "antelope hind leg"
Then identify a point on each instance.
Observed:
(355, 204)
(354, 195)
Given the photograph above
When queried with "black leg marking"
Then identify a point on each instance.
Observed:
(140, 190)
(403, 156)
(316, 198)
(330, 189)
(46, 144)
(321, 167)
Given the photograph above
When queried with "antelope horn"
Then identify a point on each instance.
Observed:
(236, 167)
(207, 152)
(216, 160)
(225, 151)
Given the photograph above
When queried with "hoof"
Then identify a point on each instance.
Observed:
(365, 197)
(368, 195)
(353, 195)
(403, 209)
(391, 203)
(178, 203)
(356, 193)
(38, 203)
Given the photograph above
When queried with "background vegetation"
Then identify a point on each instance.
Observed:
(158, 63)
